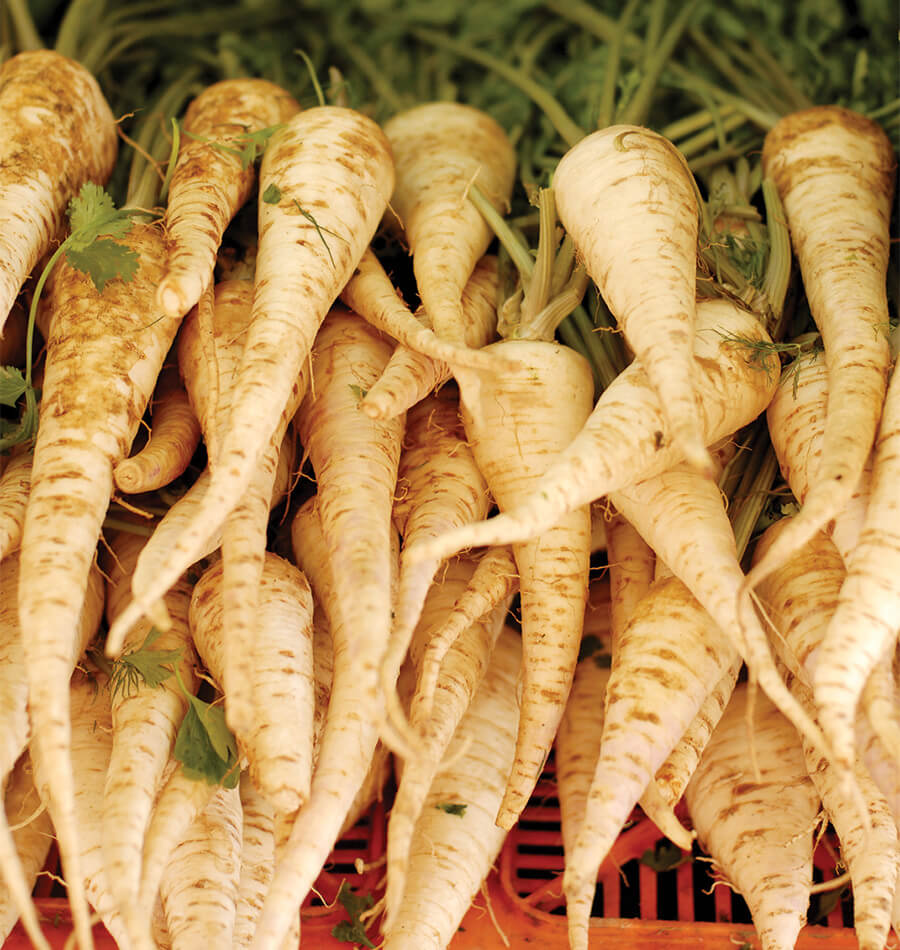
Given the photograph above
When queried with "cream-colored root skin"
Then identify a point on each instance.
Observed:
(627, 198)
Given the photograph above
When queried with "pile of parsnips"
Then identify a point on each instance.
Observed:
(359, 617)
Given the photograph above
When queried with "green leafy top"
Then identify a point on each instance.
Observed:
(248, 147)
(143, 667)
(93, 214)
(89, 248)
(272, 194)
(12, 385)
(825, 903)
(592, 646)
(665, 856)
(204, 745)
(95, 220)
(452, 808)
(352, 930)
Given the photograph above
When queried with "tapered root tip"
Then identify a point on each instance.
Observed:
(127, 475)
(159, 614)
(667, 822)
(133, 612)
(578, 917)
(696, 454)
(287, 801)
(797, 533)
(373, 409)
(172, 302)
(508, 814)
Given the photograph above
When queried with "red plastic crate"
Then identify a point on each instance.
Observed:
(523, 895)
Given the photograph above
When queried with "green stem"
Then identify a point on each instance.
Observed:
(736, 53)
(144, 180)
(611, 339)
(604, 28)
(598, 354)
(654, 31)
(544, 324)
(599, 24)
(518, 252)
(639, 107)
(704, 87)
(108, 45)
(562, 266)
(80, 18)
(750, 91)
(716, 257)
(103, 663)
(753, 492)
(728, 274)
(384, 92)
(33, 309)
(778, 267)
(19, 435)
(888, 109)
(537, 289)
(607, 109)
(173, 158)
(570, 131)
(773, 68)
(579, 324)
(735, 150)
(569, 335)
(695, 122)
(103, 51)
(697, 144)
(184, 691)
(27, 36)
(529, 52)
(743, 212)
(228, 63)
(525, 221)
(320, 96)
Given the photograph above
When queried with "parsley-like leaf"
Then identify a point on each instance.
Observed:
(93, 214)
(592, 646)
(348, 932)
(272, 194)
(248, 147)
(358, 391)
(204, 745)
(824, 904)
(589, 646)
(143, 666)
(253, 144)
(12, 385)
(26, 429)
(664, 857)
(352, 930)
(452, 808)
(103, 261)
(95, 220)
